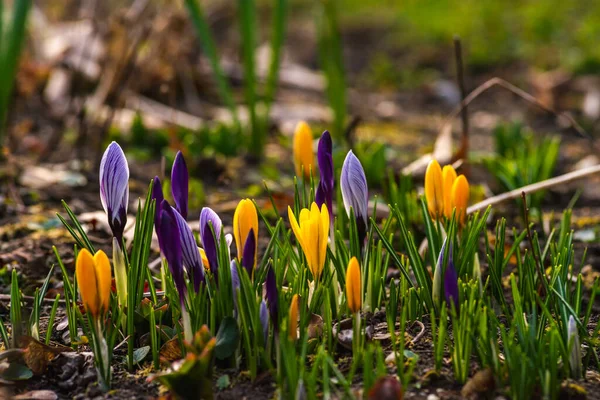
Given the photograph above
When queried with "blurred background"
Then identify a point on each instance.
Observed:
(227, 81)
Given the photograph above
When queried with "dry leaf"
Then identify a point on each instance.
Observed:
(170, 351)
(37, 355)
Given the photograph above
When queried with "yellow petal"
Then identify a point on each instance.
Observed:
(293, 317)
(324, 234)
(244, 219)
(303, 152)
(433, 189)
(448, 178)
(103, 279)
(353, 286)
(204, 259)
(297, 231)
(460, 197)
(86, 281)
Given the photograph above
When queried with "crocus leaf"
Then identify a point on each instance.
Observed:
(227, 338)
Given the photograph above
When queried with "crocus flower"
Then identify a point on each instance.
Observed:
(355, 194)
(94, 281)
(209, 242)
(114, 188)
(189, 251)
(325, 190)
(451, 282)
(245, 219)
(264, 319)
(157, 194)
(169, 240)
(179, 184)
(271, 295)
(312, 234)
(293, 317)
(303, 152)
(437, 275)
(448, 178)
(353, 286)
(574, 348)
(249, 255)
(434, 190)
(460, 198)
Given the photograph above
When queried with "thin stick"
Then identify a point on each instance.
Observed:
(519, 92)
(535, 187)
(460, 78)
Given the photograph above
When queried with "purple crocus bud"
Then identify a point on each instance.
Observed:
(114, 188)
(451, 282)
(264, 319)
(249, 252)
(271, 295)
(190, 253)
(179, 184)
(355, 193)
(209, 241)
(170, 246)
(157, 194)
(325, 189)
(235, 282)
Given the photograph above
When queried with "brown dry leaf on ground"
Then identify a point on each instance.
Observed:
(37, 355)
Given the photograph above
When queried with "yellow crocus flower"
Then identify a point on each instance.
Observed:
(244, 219)
(434, 189)
(460, 197)
(204, 259)
(293, 315)
(94, 281)
(448, 178)
(353, 286)
(312, 232)
(303, 150)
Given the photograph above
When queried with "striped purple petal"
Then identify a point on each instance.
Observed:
(355, 193)
(190, 253)
(271, 295)
(264, 320)
(451, 282)
(114, 188)
(170, 246)
(325, 190)
(179, 184)
(249, 252)
(208, 215)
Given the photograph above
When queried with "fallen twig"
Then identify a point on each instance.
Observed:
(535, 187)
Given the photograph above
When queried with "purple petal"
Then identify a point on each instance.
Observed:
(170, 246)
(210, 249)
(249, 252)
(206, 215)
(354, 187)
(190, 252)
(271, 294)
(157, 194)
(451, 282)
(114, 188)
(264, 320)
(179, 184)
(325, 189)
(235, 282)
